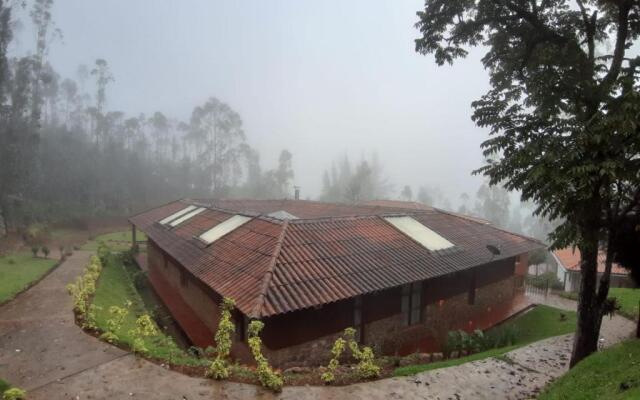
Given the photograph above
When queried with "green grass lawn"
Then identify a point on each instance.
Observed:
(18, 270)
(539, 323)
(115, 285)
(612, 374)
(627, 299)
(117, 241)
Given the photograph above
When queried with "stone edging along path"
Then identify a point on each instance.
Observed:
(43, 351)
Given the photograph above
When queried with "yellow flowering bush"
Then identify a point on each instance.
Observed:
(266, 375)
(118, 314)
(219, 366)
(366, 367)
(14, 394)
(336, 351)
(145, 327)
(85, 286)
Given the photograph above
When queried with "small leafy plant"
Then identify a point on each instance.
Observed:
(336, 351)
(266, 375)
(14, 394)
(219, 366)
(366, 368)
(45, 251)
(145, 327)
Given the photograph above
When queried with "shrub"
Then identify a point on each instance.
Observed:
(219, 368)
(35, 250)
(114, 324)
(85, 286)
(453, 343)
(11, 261)
(14, 394)
(336, 352)
(266, 375)
(366, 368)
(45, 251)
(145, 327)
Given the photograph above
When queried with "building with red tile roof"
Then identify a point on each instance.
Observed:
(568, 260)
(403, 277)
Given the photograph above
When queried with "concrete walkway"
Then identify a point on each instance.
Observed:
(43, 351)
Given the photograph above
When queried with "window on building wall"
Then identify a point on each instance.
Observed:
(472, 288)
(411, 305)
(357, 318)
(184, 279)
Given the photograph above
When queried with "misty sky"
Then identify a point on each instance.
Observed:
(319, 78)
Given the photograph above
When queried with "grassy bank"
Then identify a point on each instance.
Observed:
(612, 374)
(627, 300)
(18, 270)
(114, 287)
(539, 323)
(117, 241)
(4, 385)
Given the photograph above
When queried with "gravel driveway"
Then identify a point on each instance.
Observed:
(43, 351)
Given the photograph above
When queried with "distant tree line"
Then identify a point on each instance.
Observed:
(63, 153)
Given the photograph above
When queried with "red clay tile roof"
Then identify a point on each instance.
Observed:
(570, 260)
(332, 252)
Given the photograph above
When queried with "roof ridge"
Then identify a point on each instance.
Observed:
(257, 309)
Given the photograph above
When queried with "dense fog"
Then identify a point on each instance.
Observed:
(114, 107)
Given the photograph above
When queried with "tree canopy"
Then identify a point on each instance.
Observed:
(562, 112)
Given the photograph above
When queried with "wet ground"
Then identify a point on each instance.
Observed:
(43, 351)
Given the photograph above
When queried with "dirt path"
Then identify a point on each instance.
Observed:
(56, 360)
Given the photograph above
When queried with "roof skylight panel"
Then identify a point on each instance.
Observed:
(420, 233)
(176, 214)
(186, 216)
(223, 228)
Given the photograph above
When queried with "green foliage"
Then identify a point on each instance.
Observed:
(115, 284)
(114, 324)
(18, 270)
(366, 368)
(84, 287)
(539, 323)
(35, 250)
(563, 112)
(14, 394)
(336, 351)
(45, 251)
(144, 328)
(219, 367)
(611, 374)
(266, 375)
